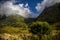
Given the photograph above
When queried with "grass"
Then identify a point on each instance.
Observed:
(11, 30)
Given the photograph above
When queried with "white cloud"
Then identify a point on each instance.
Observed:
(9, 8)
(26, 5)
(45, 3)
(21, 5)
(40, 7)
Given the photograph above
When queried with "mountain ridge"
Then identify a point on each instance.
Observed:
(50, 14)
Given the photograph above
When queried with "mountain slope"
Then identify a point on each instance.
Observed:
(14, 20)
(50, 14)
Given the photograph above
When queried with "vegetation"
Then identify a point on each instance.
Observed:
(40, 28)
(45, 27)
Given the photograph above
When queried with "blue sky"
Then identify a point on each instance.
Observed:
(32, 4)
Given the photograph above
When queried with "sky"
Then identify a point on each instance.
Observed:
(31, 3)
(25, 8)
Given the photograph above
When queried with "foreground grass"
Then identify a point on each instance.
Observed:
(15, 33)
(19, 33)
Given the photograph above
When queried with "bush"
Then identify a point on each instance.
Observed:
(40, 28)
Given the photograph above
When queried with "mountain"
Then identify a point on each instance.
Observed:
(50, 14)
(14, 20)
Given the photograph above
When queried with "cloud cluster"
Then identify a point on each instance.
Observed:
(8, 8)
(45, 3)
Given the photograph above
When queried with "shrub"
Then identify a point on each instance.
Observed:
(40, 28)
